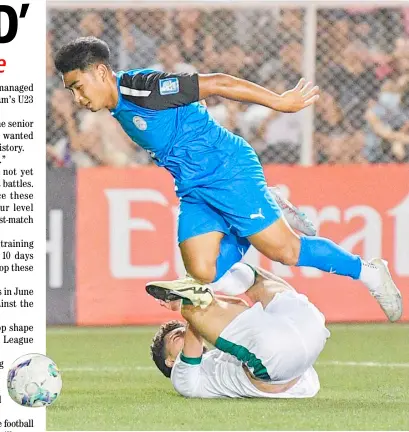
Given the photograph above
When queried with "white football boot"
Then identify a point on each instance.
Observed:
(186, 288)
(386, 292)
(293, 215)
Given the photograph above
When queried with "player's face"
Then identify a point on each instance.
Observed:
(89, 87)
(174, 341)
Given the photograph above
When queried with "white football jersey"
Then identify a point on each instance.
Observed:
(277, 344)
(221, 375)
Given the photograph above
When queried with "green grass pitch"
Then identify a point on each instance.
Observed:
(110, 383)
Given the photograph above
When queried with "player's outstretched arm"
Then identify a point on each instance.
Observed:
(193, 343)
(229, 87)
(187, 375)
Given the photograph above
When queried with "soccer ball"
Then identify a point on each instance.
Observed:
(34, 381)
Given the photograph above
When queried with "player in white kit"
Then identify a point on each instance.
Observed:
(267, 350)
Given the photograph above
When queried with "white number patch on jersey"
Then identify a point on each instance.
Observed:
(168, 86)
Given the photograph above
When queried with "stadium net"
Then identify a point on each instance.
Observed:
(358, 56)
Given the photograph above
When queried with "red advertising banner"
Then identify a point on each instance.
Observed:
(126, 236)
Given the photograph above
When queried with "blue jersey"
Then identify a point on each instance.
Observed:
(161, 113)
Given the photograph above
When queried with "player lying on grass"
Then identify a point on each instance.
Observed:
(267, 350)
(217, 174)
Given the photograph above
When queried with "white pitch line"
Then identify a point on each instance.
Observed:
(362, 364)
(114, 369)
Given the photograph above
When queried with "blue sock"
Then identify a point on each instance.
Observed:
(232, 249)
(327, 256)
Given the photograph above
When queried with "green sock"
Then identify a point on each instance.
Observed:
(186, 302)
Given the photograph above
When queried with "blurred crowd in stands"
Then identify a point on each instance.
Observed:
(361, 66)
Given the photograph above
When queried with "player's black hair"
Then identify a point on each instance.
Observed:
(158, 353)
(158, 345)
(82, 53)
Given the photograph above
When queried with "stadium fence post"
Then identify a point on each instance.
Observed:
(310, 39)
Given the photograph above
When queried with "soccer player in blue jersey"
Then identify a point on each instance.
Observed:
(218, 177)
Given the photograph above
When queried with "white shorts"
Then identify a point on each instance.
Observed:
(278, 343)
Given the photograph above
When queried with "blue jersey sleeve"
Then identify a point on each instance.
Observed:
(159, 90)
